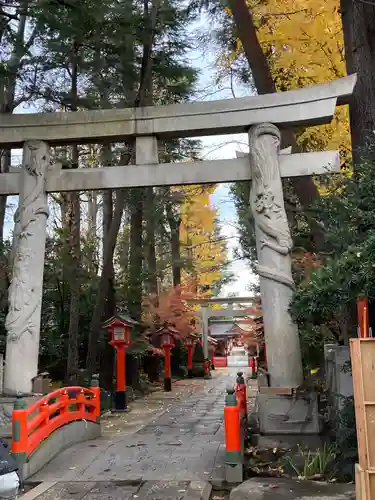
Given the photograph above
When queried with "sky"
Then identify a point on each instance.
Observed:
(221, 147)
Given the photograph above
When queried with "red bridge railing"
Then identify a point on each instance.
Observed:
(30, 426)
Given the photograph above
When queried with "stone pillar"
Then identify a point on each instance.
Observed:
(204, 318)
(25, 291)
(274, 245)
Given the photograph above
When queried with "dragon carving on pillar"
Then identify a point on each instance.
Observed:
(267, 200)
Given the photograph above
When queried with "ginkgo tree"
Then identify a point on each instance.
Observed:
(302, 42)
(200, 239)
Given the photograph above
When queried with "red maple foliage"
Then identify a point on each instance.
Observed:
(251, 327)
(170, 308)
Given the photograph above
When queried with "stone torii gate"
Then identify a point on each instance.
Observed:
(259, 116)
(205, 313)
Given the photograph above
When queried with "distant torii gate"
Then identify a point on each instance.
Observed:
(259, 116)
(206, 313)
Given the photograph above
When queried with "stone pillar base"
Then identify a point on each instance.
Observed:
(288, 414)
(234, 473)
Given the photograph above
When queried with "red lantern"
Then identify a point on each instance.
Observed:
(189, 342)
(120, 328)
(120, 333)
(167, 339)
(167, 342)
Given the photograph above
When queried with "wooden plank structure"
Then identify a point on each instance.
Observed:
(362, 352)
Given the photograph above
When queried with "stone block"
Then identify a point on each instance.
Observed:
(234, 474)
(282, 414)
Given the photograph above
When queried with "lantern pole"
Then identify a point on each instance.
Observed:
(120, 396)
(167, 369)
(190, 359)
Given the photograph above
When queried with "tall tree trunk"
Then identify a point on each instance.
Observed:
(107, 358)
(150, 205)
(358, 21)
(107, 271)
(174, 221)
(136, 209)
(110, 304)
(305, 188)
(137, 196)
(92, 213)
(74, 241)
(134, 294)
(74, 282)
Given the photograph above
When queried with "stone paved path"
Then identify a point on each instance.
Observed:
(184, 444)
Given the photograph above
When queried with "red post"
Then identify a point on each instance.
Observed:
(167, 369)
(207, 372)
(190, 358)
(212, 360)
(232, 428)
(120, 368)
(363, 319)
(253, 367)
(240, 390)
(120, 328)
(96, 392)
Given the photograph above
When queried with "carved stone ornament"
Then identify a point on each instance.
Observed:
(30, 222)
(267, 201)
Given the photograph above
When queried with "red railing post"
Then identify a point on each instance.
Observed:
(240, 389)
(363, 318)
(96, 396)
(20, 434)
(233, 439)
(64, 402)
(253, 367)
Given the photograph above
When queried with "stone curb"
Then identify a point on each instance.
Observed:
(198, 490)
(38, 490)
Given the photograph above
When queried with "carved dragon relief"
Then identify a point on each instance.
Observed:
(266, 198)
(24, 295)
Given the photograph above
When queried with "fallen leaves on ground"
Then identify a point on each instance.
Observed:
(265, 461)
